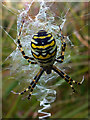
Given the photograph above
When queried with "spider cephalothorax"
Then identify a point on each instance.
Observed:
(44, 49)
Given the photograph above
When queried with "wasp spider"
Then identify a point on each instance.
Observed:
(44, 49)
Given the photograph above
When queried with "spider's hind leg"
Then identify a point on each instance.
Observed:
(67, 78)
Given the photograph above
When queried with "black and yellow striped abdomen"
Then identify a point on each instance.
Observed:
(43, 48)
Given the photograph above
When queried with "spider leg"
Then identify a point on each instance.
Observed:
(66, 77)
(35, 81)
(21, 49)
(63, 47)
(31, 84)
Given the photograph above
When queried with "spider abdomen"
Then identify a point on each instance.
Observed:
(43, 48)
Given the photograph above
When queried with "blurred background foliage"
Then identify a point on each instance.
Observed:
(65, 105)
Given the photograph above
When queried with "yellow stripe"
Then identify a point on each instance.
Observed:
(71, 85)
(33, 80)
(27, 89)
(35, 37)
(69, 78)
(69, 82)
(21, 49)
(62, 45)
(41, 57)
(62, 53)
(49, 35)
(18, 37)
(43, 47)
(41, 37)
(73, 81)
(64, 75)
(30, 93)
(63, 40)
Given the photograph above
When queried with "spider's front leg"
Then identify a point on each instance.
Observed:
(21, 49)
(32, 84)
(67, 78)
(63, 46)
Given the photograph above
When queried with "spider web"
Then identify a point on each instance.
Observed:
(47, 19)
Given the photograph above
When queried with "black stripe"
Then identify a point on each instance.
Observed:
(23, 53)
(20, 46)
(42, 48)
(33, 86)
(45, 62)
(24, 90)
(44, 59)
(63, 48)
(26, 57)
(22, 93)
(19, 33)
(44, 41)
(64, 44)
(29, 87)
(68, 77)
(62, 57)
(70, 83)
(39, 34)
(78, 83)
(18, 41)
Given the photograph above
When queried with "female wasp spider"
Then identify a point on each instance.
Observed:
(44, 49)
